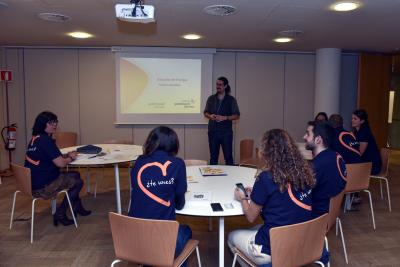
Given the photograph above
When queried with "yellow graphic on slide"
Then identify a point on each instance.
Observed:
(160, 85)
(131, 76)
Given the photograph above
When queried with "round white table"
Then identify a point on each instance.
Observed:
(115, 154)
(203, 190)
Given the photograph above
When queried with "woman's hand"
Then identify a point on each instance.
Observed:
(239, 195)
(248, 190)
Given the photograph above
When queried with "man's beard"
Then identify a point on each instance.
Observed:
(310, 146)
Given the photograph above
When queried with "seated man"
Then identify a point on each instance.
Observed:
(329, 167)
(344, 142)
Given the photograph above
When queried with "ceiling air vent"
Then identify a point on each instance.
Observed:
(220, 10)
(3, 5)
(291, 33)
(54, 17)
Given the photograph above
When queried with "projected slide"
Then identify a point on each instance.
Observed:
(160, 85)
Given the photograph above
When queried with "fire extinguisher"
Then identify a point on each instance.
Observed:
(10, 139)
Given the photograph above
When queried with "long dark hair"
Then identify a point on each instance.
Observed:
(162, 138)
(41, 122)
(362, 115)
(285, 162)
(226, 83)
(323, 114)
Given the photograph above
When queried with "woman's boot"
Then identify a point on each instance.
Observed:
(79, 209)
(61, 217)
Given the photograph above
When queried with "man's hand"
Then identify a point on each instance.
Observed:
(73, 154)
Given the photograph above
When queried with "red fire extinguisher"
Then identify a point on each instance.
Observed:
(10, 139)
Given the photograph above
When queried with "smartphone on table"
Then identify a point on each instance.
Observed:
(241, 187)
(216, 207)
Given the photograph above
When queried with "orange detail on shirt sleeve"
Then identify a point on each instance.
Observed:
(338, 159)
(34, 162)
(296, 201)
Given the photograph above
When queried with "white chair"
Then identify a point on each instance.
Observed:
(149, 242)
(195, 162)
(383, 175)
(334, 219)
(358, 180)
(288, 243)
(23, 183)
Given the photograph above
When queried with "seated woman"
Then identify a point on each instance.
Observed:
(321, 116)
(45, 160)
(368, 148)
(281, 194)
(159, 182)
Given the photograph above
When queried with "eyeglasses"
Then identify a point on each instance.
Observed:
(53, 122)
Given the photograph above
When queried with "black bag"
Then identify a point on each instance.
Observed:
(89, 149)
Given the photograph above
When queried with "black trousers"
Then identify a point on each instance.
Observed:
(219, 139)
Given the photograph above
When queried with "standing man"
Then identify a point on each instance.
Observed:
(329, 167)
(221, 109)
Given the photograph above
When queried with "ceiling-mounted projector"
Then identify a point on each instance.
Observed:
(135, 13)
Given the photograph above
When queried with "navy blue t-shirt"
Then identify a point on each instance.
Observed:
(331, 175)
(41, 151)
(278, 209)
(157, 181)
(226, 107)
(371, 153)
(346, 144)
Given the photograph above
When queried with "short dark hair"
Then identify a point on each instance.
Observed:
(226, 83)
(41, 122)
(324, 130)
(336, 121)
(162, 138)
(323, 114)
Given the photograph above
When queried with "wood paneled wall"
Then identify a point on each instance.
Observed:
(373, 92)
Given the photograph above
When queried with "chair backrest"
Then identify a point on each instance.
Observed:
(358, 176)
(115, 141)
(298, 244)
(65, 139)
(246, 149)
(195, 162)
(149, 242)
(385, 154)
(22, 177)
(335, 209)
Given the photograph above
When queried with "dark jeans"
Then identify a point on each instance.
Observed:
(223, 139)
(184, 234)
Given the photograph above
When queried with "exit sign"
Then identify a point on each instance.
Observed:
(5, 75)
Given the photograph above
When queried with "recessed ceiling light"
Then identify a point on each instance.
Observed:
(345, 6)
(80, 35)
(191, 36)
(283, 40)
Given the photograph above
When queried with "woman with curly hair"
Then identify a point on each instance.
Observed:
(281, 195)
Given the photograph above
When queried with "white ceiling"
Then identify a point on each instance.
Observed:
(373, 27)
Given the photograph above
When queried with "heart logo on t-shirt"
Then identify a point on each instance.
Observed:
(341, 135)
(163, 168)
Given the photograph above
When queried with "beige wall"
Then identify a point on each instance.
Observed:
(272, 89)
